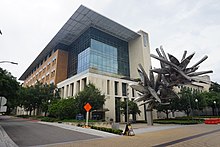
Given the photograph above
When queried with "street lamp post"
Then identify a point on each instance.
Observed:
(197, 105)
(9, 62)
(215, 106)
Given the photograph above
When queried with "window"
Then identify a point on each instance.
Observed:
(47, 77)
(132, 92)
(124, 89)
(116, 88)
(48, 66)
(103, 57)
(145, 39)
(54, 61)
(44, 69)
(42, 80)
(108, 87)
(100, 51)
(117, 109)
(52, 73)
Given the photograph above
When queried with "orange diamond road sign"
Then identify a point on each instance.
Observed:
(87, 107)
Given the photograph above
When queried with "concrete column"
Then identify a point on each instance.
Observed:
(66, 91)
(82, 85)
(74, 88)
(77, 87)
(120, 88)
(69, 90)
(150, 117)
(62, 92)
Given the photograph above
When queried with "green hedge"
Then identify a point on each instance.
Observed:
(50, 119)
(119, 132)
(23, 116)
(181, 122)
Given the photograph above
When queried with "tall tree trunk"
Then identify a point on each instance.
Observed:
(45, 113)
(173, 113)
(30, 112)
(167, 113)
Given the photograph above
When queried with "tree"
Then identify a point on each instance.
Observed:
(186, 100)
(91, 95)
(132, 109)
(27, 99)
(171, 104)
(37, 97)
(9, 88)
(211, 96)
(64, 108)
(49, 93)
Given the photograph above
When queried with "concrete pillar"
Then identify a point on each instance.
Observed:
(69, 90)
(66, 91)
(82, 84)
(150, 117)
(120, 88)
(62, 92)
(74, 88)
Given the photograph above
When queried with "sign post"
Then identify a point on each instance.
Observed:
(87, 107)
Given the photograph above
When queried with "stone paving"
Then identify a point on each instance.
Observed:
(190, 136)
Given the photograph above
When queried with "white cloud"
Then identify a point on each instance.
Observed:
(29, 25)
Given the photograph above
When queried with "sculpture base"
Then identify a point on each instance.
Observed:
(150, 117)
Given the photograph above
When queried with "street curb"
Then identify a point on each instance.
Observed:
(5, 140)
(83, 130)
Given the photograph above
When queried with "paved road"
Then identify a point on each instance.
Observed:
(29, 133)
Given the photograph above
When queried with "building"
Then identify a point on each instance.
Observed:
(91, 48)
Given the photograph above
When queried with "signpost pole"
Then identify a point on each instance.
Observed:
(87, 118)
(87, 107)
(0, 103)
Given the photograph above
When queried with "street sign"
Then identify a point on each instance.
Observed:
(87, 107)
(3, 108)
(3, 101)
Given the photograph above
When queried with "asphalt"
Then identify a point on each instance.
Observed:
(25, 132)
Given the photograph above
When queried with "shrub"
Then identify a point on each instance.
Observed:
(176, 121)
(119, 132)
(23, 116)
(49, 119)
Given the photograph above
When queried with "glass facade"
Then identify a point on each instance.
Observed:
(83, 60)
(103, 57)
(99, 51)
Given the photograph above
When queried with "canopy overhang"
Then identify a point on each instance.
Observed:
(80, 21)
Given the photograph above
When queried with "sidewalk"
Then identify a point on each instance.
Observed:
(137, 128)
(159, 136)
(5, 140)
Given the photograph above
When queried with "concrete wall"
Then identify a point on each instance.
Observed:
(106, 85)
(139, 53)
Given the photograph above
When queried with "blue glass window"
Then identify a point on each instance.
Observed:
(103, 57)
(83, 60)
(98, 50)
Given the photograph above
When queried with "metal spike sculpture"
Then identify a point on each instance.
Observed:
(172, 73)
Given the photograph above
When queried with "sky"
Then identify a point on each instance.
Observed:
(28, 26)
